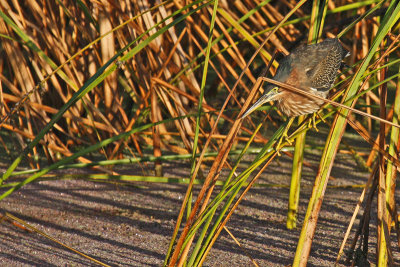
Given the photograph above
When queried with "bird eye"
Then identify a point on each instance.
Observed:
(309, 71)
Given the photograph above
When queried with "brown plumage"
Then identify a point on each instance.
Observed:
(312, 68)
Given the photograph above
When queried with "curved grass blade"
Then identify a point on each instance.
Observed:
(335, 135)
(101, 74)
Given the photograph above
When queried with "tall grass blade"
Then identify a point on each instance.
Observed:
(332, 142)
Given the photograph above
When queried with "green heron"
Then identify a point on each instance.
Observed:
(312, 68)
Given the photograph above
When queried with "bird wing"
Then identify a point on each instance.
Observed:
(320, 62)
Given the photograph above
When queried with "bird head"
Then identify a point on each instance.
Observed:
(272, 92)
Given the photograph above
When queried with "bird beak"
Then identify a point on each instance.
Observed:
(269, 96)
